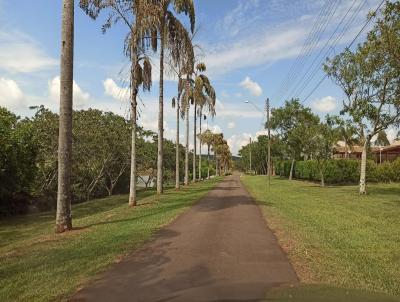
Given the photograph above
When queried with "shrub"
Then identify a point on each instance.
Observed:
(341, 171)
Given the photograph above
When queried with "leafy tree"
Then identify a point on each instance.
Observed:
(382, 139)
(321, 137)
(63, 216)
(290, 123)
(347, 132)
(370, 79)
(17, 162)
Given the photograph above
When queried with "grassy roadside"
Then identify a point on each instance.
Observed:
(334, 236)
(37, 265)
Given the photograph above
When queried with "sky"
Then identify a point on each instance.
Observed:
(253, 49)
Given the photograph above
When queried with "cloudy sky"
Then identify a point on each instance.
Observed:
(253, 49)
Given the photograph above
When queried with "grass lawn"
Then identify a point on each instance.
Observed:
(38, 265)
(334, 236)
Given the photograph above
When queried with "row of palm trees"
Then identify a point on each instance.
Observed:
(152, 25)
(222, 153)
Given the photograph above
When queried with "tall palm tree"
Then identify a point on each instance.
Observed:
(181, 63)
(140, 16)
(204, 98)
(217, 140)
(167, 27)
(63, 216)
(202, 95)
(207, 139)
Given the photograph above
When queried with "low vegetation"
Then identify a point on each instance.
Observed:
(333, 235)
(38, 265)
(341, 171)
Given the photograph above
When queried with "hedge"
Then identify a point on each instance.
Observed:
(341, 171)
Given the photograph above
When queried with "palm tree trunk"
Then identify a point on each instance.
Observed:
(208, 161)
(200, 144)
(177, 183)
(187, 147)
(363, 173)
(161, 118)
(194, 142)
(63, 216)
(133, 182)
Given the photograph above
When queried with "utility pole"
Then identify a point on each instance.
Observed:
(269, 143)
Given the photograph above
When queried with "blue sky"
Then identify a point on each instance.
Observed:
(249, 47)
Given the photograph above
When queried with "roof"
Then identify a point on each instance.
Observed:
(375, 149)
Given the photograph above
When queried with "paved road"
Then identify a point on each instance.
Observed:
(219, 250)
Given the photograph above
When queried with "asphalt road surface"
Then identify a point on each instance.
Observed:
(219, 250)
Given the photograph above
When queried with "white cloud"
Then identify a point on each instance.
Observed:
(212, 128)
(19, 53)
(326, 104)
(80, 97)
(234, 20)
(251, 86)
(231, 125)
(237, 141)
(113, 90)
(238, 110)
(253, 51)
(11, 96)
(391, 134)
(261, 42)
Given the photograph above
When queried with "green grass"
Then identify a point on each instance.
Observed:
(334, 236)
(38, 265)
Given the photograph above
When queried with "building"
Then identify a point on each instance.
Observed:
(381, 154)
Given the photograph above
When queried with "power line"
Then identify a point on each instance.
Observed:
(351, 44)
(314, 44)
(311, 71)
(306, 48)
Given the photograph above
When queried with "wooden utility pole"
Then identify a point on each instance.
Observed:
(269, 143)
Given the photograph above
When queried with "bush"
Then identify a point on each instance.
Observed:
(341, 171)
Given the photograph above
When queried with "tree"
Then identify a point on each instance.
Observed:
(347, 132)
(63, 217)
(18, 153)
(168, 32)
(291, 122)
(382, 139)
(207, 139)
(217, 140)
(320, 139)
(369, 77)
(181, 63)
(204, 98)
(139, 16)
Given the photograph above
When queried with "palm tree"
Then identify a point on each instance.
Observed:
(140, 17)
(204, 98)
(202, 95)
(182, 64)
(217, 140)
(168, 24)
(206, 138)
(63, 216)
